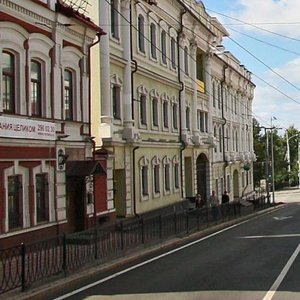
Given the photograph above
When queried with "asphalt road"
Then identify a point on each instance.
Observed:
(256, 259)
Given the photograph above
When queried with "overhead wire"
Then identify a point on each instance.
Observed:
(170, 60)
(264, 42)
(255, 26)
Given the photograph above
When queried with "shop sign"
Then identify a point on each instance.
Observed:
(26, 129)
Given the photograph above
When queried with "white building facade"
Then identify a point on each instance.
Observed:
(174, 114)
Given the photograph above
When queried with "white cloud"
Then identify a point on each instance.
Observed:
(270, 11)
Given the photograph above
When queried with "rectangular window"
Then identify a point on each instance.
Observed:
(143, 110)
(15, 209)
(202, 121)
(8, 82)
(186, 60)
(173, 53)
(176, 176)
(36, 87)
(167, 177)
(41, 195)
(188, 121)
(153, 40)
(164, 47)
(141, 33)
(228, 183)
(200, 68)
(165, 114)
(68, 86)
(175, 120)
(116, 94)
(155, 111)
(114, 19)
(144, 175)
(156, 179)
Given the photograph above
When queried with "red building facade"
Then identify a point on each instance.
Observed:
(45, 121)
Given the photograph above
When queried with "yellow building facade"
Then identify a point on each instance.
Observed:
(170, 109)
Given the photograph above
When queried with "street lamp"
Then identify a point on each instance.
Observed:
(272, 158)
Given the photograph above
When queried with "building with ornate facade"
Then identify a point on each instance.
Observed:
(46, 151)
(171, 110)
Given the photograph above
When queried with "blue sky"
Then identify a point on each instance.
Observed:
(280, 96)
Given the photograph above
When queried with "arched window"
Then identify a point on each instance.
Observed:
(153, 40)
(36, 88)
(8, 82)
(114, 16)
(164, 47)
(68, 96)
(186, 60)
(173, 53)
(141, 33)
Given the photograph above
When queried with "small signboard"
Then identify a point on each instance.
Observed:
(26, 129)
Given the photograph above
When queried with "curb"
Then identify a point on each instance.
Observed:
(37, 293)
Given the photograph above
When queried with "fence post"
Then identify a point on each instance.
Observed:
(187, 222)
(143, 230)
(175, 222)
(64, 263)
(160, 227)
(122, 235)
(23, 254)
(96, 242)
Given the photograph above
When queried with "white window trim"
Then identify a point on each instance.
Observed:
(144, 162)
(165, 98)
(156, 162)
(154, 95)
(176, 163)
(167, 162)
(115, 80)
(142, 91)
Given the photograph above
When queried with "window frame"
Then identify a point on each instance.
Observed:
(42, 211)
(141, 33)
(114, 19)
(11, 75)
(15, 217)
(153, 43)
(69, 116)
(39, 83)
(163, 41)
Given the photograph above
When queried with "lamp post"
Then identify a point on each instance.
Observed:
(272, 159)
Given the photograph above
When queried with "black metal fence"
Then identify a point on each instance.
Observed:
(23, 265)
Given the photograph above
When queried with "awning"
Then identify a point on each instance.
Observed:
(81, 168)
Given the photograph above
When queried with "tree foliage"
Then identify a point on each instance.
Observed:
(262, 140)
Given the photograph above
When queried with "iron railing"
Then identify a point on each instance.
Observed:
(23, 265)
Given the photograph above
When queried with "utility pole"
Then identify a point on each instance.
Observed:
(272, 157)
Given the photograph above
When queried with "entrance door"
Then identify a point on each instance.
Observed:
(120, 192)
(76, 203)
(188, 175)
(202, 175)
(236, 193)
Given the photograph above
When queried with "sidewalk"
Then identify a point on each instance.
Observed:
(41, 289)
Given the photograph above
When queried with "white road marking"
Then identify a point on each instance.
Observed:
(282, 218)
(281, 276)
(270, 236)
(145, 262)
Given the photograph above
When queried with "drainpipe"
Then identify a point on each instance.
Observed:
(90, 114)
(133, 180)
(135, 64)
(224, 123)
(183, 146)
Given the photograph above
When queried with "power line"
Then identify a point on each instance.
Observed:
(255, 26)
(169, 59)
(264, 42)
